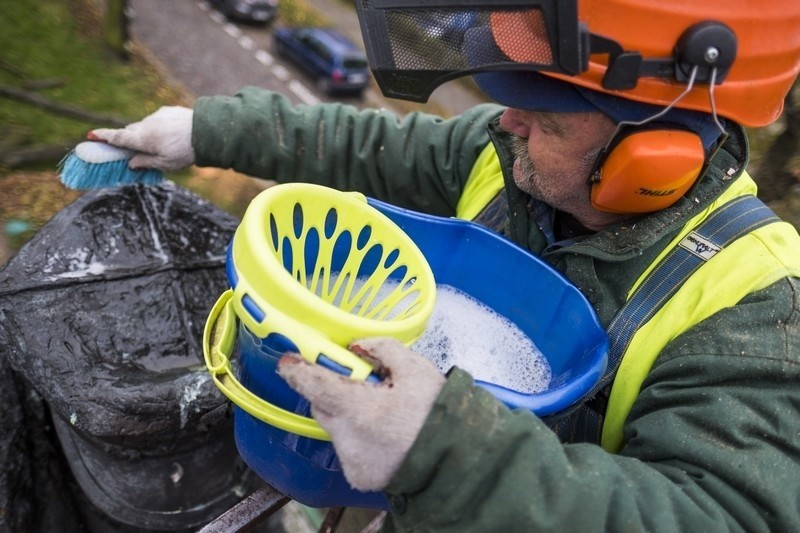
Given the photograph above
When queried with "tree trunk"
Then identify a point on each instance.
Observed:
(117, 37)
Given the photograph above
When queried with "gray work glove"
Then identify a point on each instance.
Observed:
(372, 426)
(162, 140)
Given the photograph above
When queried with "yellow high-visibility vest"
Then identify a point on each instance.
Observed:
(772, 251)
(484, 182)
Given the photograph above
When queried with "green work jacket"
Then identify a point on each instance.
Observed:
(712, 441)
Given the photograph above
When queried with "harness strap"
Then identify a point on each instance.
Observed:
(742, 215)
(731, 221)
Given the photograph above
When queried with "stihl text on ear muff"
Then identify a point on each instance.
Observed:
(644, 170)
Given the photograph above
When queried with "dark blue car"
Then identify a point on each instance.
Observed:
(334, 62)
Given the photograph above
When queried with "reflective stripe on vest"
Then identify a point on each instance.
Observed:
(484, 182)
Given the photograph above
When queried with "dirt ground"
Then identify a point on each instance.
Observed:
(29, 199)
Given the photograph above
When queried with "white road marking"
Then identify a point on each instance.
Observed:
(247, 42)
(232, 30)
(280, 72)
(263, 57)
(302, 92)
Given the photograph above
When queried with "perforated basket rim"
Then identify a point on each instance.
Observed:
(251, 266)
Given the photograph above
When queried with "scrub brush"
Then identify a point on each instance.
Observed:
(94, 165)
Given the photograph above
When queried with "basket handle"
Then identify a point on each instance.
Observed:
(311, 345)
(218, 340)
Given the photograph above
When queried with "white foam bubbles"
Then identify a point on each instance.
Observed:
(466, 333)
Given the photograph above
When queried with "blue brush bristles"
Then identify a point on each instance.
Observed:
(94, 165)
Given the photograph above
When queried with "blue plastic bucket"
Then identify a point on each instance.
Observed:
(518, 285)
(464, 255)
(303, 468)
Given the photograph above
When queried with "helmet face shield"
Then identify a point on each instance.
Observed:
(732, 58)
(415, 46)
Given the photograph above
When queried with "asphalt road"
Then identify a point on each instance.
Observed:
(209, 55)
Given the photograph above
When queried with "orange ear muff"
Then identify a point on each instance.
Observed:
(647, 171)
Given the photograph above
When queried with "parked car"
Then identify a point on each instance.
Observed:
(334, 62)
(447, 25)
(258, 11)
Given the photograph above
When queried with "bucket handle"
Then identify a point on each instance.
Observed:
(218, 340)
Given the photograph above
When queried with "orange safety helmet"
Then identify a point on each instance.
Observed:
(766, 62)
(666, 71)
(641, 50)
(757, 50)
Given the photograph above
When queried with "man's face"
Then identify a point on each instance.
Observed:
(554, 155)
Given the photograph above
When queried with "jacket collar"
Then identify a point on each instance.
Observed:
(628, 239)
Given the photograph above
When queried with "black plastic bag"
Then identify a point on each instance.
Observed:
(102, 313)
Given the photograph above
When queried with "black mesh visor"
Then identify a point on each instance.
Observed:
(415, 46)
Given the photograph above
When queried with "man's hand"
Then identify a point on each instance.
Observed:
(161, 141)
(372, 425)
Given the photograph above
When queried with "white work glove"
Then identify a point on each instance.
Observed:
(372, 425)
(162, 140)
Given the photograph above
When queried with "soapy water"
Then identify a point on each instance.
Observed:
(466, 333)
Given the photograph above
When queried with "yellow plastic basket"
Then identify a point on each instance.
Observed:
(318, 268)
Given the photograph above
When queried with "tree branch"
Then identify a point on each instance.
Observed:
(61, 109)
(40, 153)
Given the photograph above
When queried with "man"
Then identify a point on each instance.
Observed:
(620, 161)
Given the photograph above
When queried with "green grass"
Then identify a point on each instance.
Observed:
(297, 14)
(59, 41)
(62, 41)
(42, 41)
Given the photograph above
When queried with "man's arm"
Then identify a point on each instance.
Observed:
(420, 161)
(711, 444)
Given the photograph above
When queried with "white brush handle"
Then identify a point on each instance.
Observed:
(162, 140)
(98, 152)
